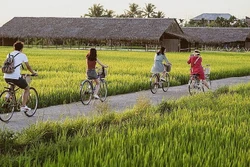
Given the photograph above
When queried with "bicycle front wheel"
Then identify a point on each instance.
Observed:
(154, 83)
(86, 92)
(32, 102)
(103, 91)
(209, 83)
(166, 82)
(7, 106)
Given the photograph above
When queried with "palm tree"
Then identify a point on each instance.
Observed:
(109, 13)
(181, 22)
(96, 10)
(159, 14)
(149, 10)
(134, 11)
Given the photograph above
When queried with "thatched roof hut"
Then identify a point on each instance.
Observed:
(119, 29)
(219, 35)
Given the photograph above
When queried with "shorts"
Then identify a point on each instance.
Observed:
(21, 82)
(92, 74)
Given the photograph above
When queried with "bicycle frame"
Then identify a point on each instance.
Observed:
(88, 87)
(195, 85)
(10, 102)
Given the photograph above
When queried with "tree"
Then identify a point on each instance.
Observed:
(134, 11)
(97, 10)
(149, 10)
(159, 14)
(109, 13)
(219, 22)
(181, 22)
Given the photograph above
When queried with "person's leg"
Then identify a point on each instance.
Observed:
(164, 71)
(205, 83)
(21, 83)
(25, 96)
(97, 87)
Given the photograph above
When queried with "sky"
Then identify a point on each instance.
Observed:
(179, 9)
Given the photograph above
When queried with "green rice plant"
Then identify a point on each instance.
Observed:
(199, 131)
(61, 70)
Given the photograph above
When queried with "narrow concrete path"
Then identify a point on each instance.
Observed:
(117, 103)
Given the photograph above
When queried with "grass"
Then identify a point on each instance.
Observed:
(61, 70)
(208, 129)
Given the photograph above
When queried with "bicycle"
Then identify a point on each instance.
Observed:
(194, 83)
(9, 102)
(207, 75)
(87, 87)
(160, 82)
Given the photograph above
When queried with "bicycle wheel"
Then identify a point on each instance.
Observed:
(86, 92)
(7, 106)
(154, 83)
(194, 86)
(166, 82)
(103, 91)
(209, 83)
(32, 102)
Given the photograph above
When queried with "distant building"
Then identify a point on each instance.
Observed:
(220, 36)
(209, 17)
(248, 21)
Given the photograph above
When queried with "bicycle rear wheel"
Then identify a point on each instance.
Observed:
(166, 82)
(154, 83)
(194, 86)
(86, 92)
(7, 106)
(103, 91)
(32, 102)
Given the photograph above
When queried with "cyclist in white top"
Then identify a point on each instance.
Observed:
(16, 77)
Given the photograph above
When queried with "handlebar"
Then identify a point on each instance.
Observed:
(33, 75)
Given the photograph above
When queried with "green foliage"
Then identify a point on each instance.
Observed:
(7, 140)
(61, 71)
(198, 130)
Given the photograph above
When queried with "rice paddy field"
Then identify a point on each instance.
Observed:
(61, 71)
(204, 130)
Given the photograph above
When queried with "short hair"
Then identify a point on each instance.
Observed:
(18, 45)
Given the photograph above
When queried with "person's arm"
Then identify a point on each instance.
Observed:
(166, 59)
(189, 61)
(30, 69)
(103, 65)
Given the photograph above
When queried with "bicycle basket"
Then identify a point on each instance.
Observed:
(102, 72)
(167, 67)
(207, 70)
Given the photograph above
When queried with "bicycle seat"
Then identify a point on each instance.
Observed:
(91, 78)
(195, 75)
(10, 83)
